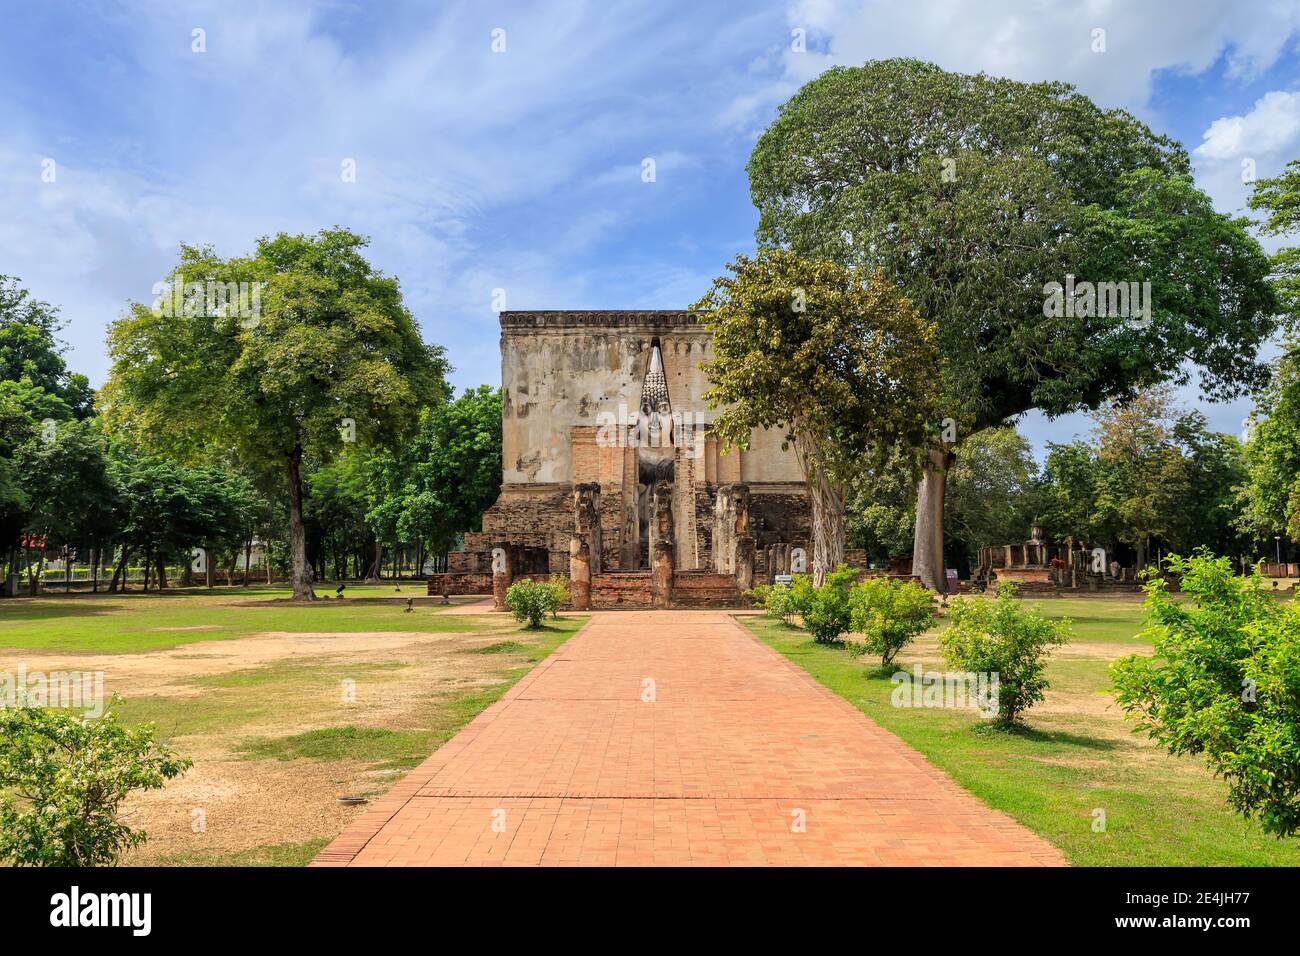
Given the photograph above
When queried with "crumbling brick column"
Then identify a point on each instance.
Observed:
(580, 573)
(778, 560)
(661, 575)
(744, 563)
(663, 547)
(730, 522)
(502, 575)
(586, 520)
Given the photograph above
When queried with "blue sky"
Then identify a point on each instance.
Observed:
(521, 170)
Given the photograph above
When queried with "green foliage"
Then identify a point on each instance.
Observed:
(777, 600)
(1152, 473)
(1270, 492)
(62, 779)
(332, 340)
(1224, 682)
(30, 351)
(841, 366)
(529, 601)
(825, 609)
(880, 507)
(1001, 636)
(889, 614)
(67, 481)
(1279, 197)
(992, 493)
(972, 192)
(439, 484)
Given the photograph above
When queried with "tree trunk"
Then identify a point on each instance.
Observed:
(302, 574)
(119, 572)
(827, 510)
(379, 557)
(34, 574)
(94, 570)
(927, 543)
(67, 572)
(248, 557)
(148, 562)
(161, 563)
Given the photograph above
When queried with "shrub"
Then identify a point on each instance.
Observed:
(777, 600)
(1224, 682)
(558, 594)
(888, 614)
(63, 777)
(825, 609)
(1000, 636)
(529, 602)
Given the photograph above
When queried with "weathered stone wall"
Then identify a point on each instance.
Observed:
(563, 369)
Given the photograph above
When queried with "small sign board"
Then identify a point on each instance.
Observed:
(952, 579)
(786, 579)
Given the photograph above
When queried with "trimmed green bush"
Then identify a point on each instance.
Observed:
(1224, 683)
(825, 609)
(529, 601)
(63, 777)
(776, 600)
(889, 614)
(1003, 637)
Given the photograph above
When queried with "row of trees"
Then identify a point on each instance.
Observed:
(965, 198)
(1151, 476)
(318, 423)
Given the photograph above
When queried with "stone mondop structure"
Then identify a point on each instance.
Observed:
(612, 477)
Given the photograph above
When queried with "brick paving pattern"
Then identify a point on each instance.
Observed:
(677, 738)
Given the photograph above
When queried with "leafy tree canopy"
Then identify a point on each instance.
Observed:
(326, 352)
(30, 351)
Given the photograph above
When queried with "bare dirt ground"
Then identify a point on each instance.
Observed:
(209, 698)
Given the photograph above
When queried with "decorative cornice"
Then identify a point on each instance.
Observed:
(601, 319)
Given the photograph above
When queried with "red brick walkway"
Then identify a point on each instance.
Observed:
(675, 737)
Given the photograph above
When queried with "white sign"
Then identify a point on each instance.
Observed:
(786, 579)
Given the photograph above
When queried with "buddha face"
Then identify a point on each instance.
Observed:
(654, 426)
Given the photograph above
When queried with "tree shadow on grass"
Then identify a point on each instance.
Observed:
(1058, 737)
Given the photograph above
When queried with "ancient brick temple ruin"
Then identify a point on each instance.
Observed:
(612, 478)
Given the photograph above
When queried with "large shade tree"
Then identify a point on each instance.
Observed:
(842, 366)
(973, 193)
(329, 354)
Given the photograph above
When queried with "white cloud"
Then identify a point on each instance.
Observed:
(1259, 142)
(1032, 41)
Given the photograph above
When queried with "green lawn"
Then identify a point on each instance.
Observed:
(134, 622)
(1076, 756)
